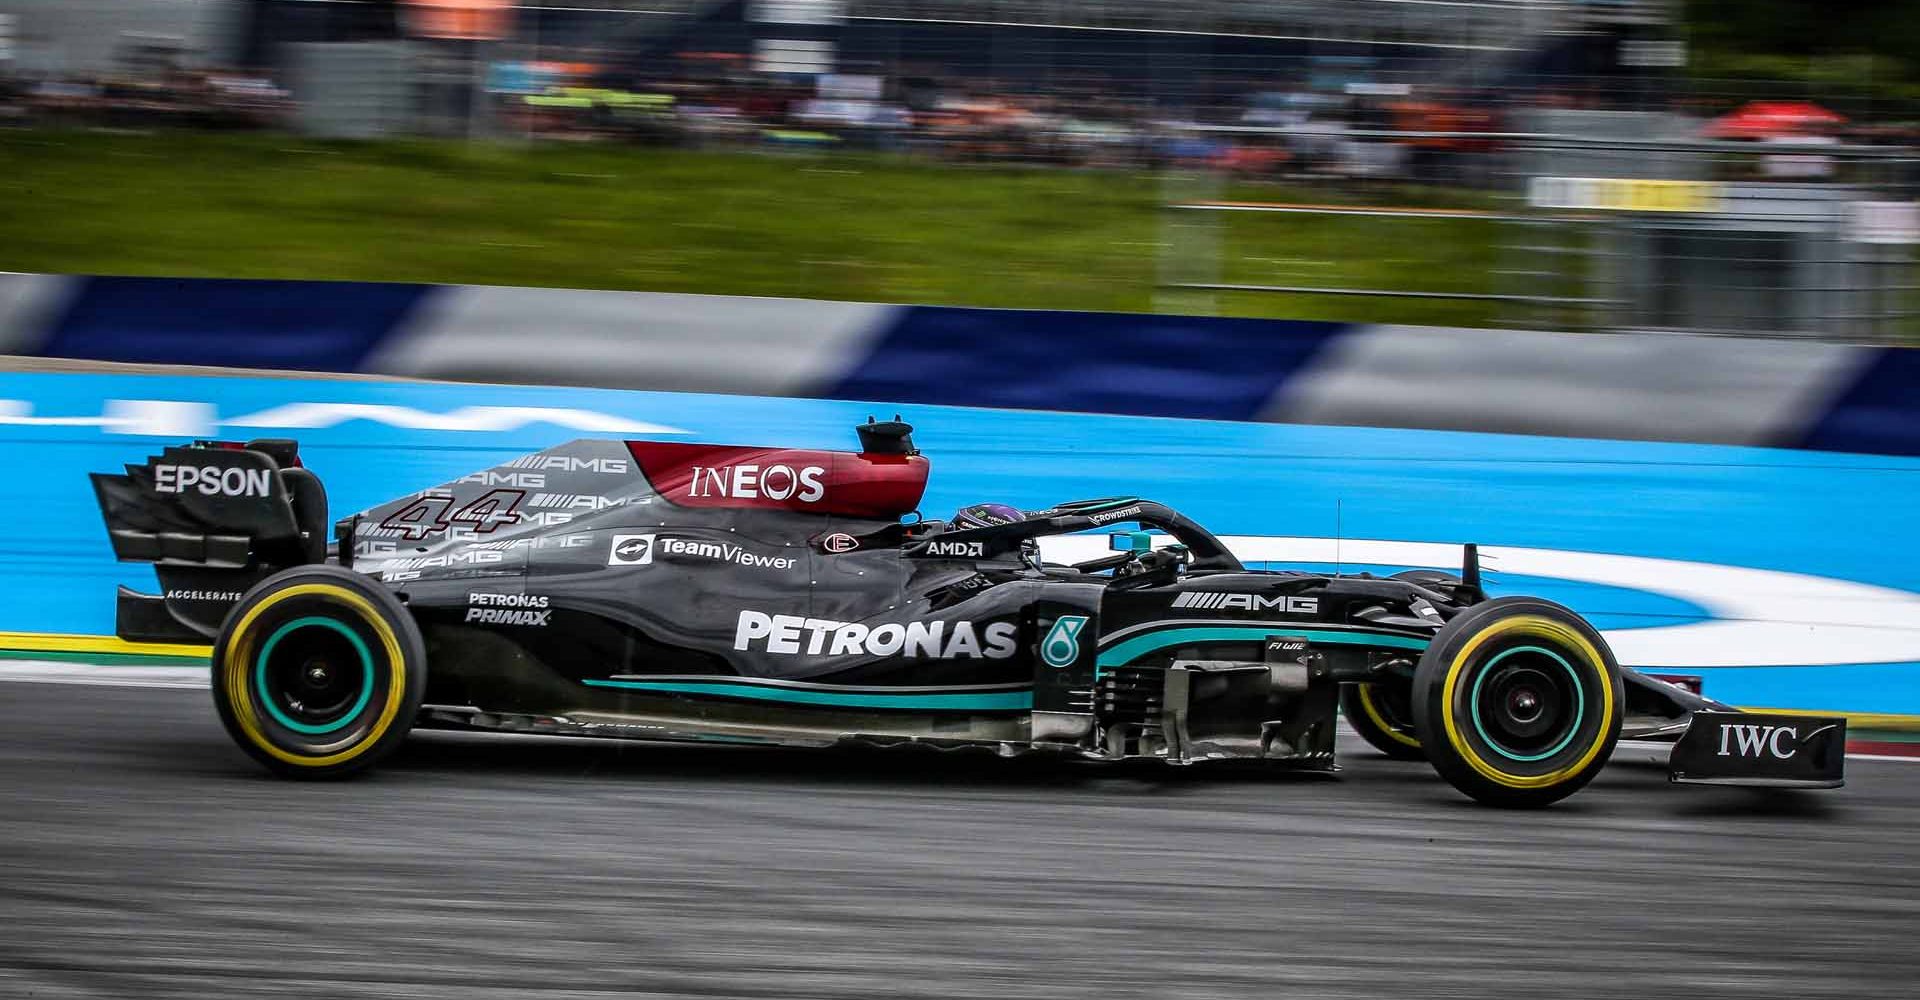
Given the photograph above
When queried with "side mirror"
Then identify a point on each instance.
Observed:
(1130, 541)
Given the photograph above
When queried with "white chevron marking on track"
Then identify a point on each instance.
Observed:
(1759, 617)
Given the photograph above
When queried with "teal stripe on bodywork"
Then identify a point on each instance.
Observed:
(993, 701)
(1142, 644)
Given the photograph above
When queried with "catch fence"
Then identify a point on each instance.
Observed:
(1804, 238)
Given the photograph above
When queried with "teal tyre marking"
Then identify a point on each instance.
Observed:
(1579, 704)
(366, 670)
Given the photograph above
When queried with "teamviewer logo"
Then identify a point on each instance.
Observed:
(631, 550)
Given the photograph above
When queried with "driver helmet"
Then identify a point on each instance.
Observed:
(986, 515)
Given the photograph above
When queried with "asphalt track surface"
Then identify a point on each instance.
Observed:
(141, 855)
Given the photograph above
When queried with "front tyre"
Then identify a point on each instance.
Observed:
(318, 672)
(1383, 716)
(1428, 578)
(1517, 702)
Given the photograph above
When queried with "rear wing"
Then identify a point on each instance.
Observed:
(214, 518)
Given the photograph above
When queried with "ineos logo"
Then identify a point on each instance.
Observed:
(754, 482)
(1750, 740)
(840, 541)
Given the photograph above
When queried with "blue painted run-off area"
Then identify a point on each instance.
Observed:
(1833, 516)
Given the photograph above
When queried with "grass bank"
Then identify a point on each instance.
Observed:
(595, 216)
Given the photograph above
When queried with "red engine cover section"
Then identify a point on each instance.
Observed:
(823, 482)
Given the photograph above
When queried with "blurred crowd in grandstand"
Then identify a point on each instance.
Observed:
(1294, 120)
(1266, 130)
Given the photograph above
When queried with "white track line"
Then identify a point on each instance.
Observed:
(60, 672)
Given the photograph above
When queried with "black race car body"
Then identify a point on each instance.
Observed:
(777, 596)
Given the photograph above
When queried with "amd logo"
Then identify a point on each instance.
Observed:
(754, 482)
(1750, 740)
(1247, 602)
(963, 550)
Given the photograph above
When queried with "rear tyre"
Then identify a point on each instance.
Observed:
(1383, 716)
(318, 672)
(1518, 702)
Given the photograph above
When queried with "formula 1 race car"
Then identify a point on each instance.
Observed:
(671, 591)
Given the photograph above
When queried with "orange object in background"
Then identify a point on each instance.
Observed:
(1774, 120)
(1438, 116)
(473, 20)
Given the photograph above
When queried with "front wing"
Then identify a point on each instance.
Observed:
(1758, 748)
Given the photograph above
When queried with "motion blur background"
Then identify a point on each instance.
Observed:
(1623, 290)
(1719, 166)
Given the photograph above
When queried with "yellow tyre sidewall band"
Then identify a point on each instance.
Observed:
(1379, 720)
(239, 652)
(1546, 628)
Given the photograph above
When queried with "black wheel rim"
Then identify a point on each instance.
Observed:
(1527, 703)
(314, 675)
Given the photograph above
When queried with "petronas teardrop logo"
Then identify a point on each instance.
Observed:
(1061, 647)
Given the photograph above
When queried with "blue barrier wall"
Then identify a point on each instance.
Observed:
(1645, 387)
(1788, 577)
(1164, 366)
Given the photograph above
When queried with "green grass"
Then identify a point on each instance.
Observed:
(597, 216)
